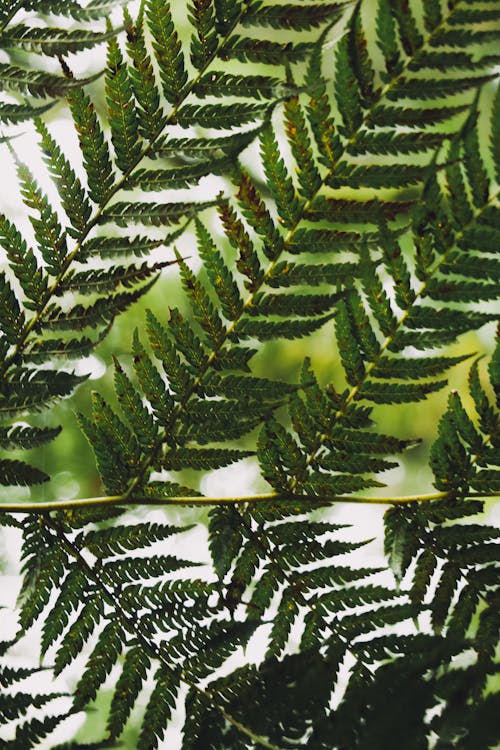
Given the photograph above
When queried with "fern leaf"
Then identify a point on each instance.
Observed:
(178, 177)
(128, 686)
(73, 197)
(40, 84)
(476, 174)
(99, 664)
(387, 39)
(187, 342)
(204, 43)
(48, 232)
(100, 312)
(220, 84)
(12, 318)
(153, 214)
(79, 633)
(24, 436)
(225, 539)
(263, 329)
(13, 472)
(94, 148)
(202, 459)
(263, 51)
(121, 110)
(203, 308)
(151, 116)
(167, 46)
(179, 379)
(134, 410)
(72, 592)
(495, 150)
(106, 247)
(360, 59)
(279, 182)
(220, 276)
(412, 117)
(347, 91)
(220, 116)
(53, 41)
(320, 115)
(15, 113)
(43, 570)
(31, 732)
(302, 305)
(285, 274)
(300, 143)
(159, 708)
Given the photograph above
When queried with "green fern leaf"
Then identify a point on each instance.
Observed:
(220, 116)
(13, 472)
(73, 197)
(159, 708)
(202, 459)
(220, 276)
(187, 342)
(151, 383)
(151, 116)
(23, 436)
(203, 308)
(48, 232)
(278, 180)
(225, 539)
(179, 379)
(15, 113)
(128, 686)
(154, 214)
(398, 393)
(347, 91)
(40, 83)
(134, 410)
(300, 143)
(204, 44)
(12, 318)
(360, 59)
(288, 16)
(168, 50)
(248, 262)
(100, 312)
(99, 663)
(94, 148)
(52, 41)
(411, 117)
(387, 39)
(477, 177)
(263, 329)
(319, 113)
(437, 88)
(121, 110)
(79, 633)
(263, 51)
(72, 592)
(220, 84)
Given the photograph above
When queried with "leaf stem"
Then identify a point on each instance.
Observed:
(92, 502)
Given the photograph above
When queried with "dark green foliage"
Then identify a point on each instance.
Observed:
(33, 36)
(341, 180)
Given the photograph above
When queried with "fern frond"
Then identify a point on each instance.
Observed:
(388, 225)
(31, 35)
(121, 110)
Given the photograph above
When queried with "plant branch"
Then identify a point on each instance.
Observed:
(131, 625)
(94, 502)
